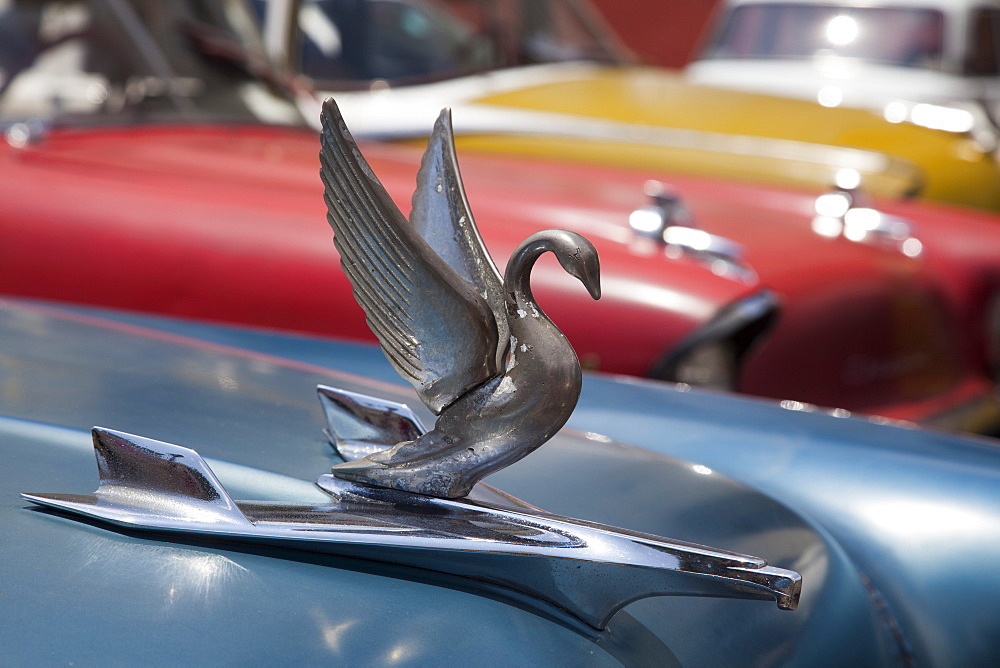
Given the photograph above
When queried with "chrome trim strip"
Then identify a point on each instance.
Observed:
(587, 569)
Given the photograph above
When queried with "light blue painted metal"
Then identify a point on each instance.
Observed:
(917, 510)
(241, 407)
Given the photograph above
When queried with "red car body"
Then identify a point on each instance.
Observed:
(866, 327)
(152, 202)
(228, 223)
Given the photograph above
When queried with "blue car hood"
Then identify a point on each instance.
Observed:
(917, 510)
(76, 591)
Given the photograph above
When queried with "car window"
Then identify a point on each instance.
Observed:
(404, 40)
(983, 43)
(91, 60)
(901, 36)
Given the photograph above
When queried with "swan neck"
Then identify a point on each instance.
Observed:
(517, 286)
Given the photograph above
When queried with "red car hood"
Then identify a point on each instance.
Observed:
(229, 224)
(864, 326)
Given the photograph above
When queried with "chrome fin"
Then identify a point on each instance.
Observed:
(150, 484)
(359, 425)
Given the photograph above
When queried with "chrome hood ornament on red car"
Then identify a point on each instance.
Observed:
(502, 380)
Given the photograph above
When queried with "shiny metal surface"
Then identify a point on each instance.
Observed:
(370, 421)
(352, 417)
(479, 351)
(668, 220)
(588, 569)
(666, 209)
(847, 212)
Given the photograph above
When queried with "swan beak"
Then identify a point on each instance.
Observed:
(579, 258)
(590, 276)
(589, 273)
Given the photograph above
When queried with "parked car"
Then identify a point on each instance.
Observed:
(926, 274)
(171, 189)
(161, 207)
(548, 79)
(929, 62)
(889, 527)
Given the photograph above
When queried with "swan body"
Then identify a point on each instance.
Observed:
(479, 351)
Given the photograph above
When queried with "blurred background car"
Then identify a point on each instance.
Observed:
(933, 63)
(180, 197)
(548, 78)
(171, 178)
(587, 102)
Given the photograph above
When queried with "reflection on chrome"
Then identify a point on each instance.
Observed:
(645, 221)
(668, 221)
(698, 240)
(22, 134)
(703, 470)
(860, 222)
(896, 112)
(834, 204)
(838, 214)
(827, 226)
(942, 118)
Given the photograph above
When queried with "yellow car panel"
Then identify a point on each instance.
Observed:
(662, 121)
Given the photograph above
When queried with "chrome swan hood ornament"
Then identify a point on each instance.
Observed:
(502, 380)
(478, 350)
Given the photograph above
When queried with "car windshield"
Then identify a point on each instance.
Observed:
(99, 61)
(419, 40)
(901, 36)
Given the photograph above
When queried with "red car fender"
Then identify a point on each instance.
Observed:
(228, 224)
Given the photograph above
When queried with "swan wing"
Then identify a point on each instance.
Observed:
(442, 216)
(434, 327)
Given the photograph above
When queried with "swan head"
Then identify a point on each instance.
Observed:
(578, 257)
